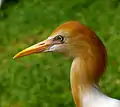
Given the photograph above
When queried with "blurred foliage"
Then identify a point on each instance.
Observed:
(43, 80)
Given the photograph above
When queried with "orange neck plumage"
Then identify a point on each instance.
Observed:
(87, 68)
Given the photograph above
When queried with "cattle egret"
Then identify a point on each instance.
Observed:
(89, 61)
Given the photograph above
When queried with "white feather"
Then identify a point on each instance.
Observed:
(95, 98)
(1, 1)
(54, 48)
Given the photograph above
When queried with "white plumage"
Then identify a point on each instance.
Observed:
(95, 98)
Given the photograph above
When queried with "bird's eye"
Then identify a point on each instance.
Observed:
(59, 37)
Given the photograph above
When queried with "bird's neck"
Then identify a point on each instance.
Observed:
(83, 76)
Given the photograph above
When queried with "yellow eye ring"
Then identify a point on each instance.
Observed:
(59, 37)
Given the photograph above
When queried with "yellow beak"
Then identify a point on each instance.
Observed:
(37, 48)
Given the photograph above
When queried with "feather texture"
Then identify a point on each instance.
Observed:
(95, 98)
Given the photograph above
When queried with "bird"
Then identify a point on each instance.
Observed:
(89, 56)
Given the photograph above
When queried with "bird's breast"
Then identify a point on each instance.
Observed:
(95, 98)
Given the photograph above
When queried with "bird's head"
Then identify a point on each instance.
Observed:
(71, 38)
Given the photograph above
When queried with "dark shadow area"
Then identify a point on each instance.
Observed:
(4, 6)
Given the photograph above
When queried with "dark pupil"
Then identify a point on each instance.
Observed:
(59, 37)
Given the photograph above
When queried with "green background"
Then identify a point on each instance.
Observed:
(42, 80)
